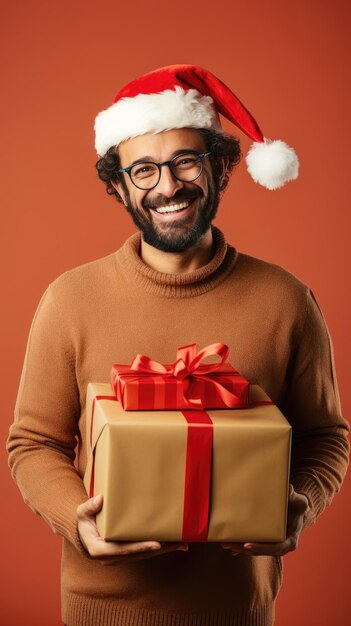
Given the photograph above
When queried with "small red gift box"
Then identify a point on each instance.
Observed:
(185, 384)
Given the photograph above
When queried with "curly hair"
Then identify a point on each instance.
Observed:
(221, 145)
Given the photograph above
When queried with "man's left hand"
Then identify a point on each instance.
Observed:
(297, 509)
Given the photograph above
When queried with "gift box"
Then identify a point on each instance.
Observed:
(185, 475)
(185, 384)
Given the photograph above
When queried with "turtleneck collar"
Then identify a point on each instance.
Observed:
(182, 285)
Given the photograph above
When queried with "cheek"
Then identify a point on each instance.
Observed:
(138, 201)
(134, 197)
(140, 198)
(207, 179)
(206, 184)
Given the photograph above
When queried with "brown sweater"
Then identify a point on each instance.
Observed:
(106, 312)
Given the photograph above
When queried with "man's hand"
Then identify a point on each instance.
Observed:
(297, 509)
(111, 552)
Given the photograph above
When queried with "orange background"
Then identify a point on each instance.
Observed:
(288, 63)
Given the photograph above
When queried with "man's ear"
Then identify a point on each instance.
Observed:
(224, 165)
(118, 187)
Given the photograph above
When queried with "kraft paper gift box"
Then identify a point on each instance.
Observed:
(185, 475)
(185, 384)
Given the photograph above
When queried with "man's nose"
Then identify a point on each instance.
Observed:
(168, 185)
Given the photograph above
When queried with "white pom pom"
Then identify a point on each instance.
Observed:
(272, 163)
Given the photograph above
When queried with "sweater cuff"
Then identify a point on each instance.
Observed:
(313, 492)
(66, 523)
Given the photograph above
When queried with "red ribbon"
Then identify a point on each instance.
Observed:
(92, 474)
(198, 473)
(186, 368)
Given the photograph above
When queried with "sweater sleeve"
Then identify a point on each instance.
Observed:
(320, 447)
(42, 439)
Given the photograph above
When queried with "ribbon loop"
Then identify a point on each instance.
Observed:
(219, 349)
(187, 368)
(142, 363)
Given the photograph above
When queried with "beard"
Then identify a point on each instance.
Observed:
(177, 236)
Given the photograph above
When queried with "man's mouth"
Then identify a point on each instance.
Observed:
(177, 207)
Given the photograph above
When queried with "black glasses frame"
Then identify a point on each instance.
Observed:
(200, 155)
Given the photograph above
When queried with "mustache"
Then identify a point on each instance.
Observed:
(177, 198)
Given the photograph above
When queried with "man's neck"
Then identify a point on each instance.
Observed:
(178, 262)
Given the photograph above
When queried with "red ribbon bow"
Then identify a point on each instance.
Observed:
(186, 368)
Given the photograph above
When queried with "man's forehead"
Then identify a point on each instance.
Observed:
(157, 144)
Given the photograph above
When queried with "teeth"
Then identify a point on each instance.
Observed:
(173, 207)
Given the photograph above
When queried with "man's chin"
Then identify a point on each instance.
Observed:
(173, 242)
(168, 246)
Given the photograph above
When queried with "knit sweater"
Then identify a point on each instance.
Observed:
(106, 312)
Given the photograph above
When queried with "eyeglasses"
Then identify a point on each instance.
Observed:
(185, 167)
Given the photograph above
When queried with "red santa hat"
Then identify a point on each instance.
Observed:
(180, 96)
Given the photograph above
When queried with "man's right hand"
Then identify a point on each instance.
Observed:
(111, 552)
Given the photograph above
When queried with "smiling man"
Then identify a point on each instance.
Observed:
(163, 154)
(173, 207)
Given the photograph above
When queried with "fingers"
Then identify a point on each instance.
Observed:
(125, 548)
(298, 508)
(103, 550)
(257, 549)
(90, 507)
(139, 556)
(99, 548)
(297, 500)
(116, 552)
(268, 549)
(271, 549)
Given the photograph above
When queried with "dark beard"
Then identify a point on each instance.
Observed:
(174, 241)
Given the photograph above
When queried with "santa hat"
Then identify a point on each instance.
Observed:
(179, 96)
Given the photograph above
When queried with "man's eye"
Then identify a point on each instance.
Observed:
(186, 162)
(144, 171)
(141, 170)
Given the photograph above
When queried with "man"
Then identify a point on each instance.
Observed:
(174, 282)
